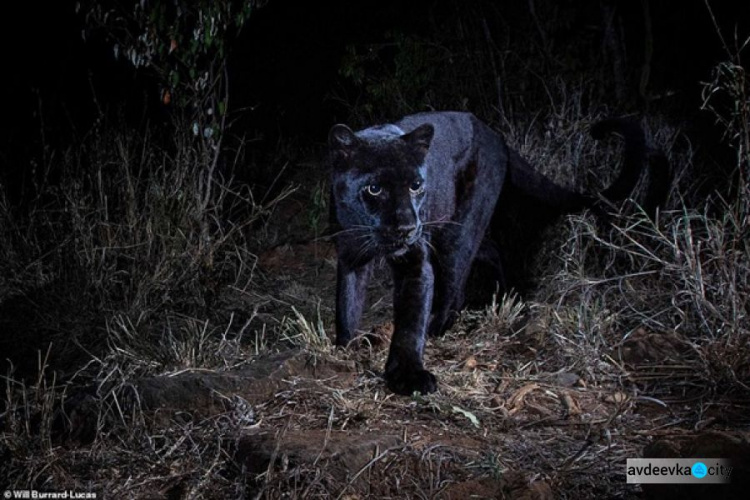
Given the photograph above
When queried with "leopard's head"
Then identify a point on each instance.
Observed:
(379, 186)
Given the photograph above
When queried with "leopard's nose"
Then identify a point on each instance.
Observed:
(407, 232)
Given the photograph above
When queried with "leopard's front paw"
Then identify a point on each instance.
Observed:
(406, 382)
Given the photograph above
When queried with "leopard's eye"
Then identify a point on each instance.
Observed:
(373, 189)
(416, 187)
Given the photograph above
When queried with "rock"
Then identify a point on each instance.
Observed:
(201, 394)
(566, 379)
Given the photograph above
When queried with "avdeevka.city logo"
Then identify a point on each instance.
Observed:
(678, 470)
(699, 470)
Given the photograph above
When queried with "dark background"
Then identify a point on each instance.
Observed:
(286, 64)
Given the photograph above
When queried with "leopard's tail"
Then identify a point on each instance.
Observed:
(636, 158)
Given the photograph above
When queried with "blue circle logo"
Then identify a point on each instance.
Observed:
(699, 470)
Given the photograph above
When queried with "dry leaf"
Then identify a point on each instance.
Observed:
(617, 397)
(516, 403)
(570, 404)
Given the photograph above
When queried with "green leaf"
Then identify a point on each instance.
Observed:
(474, 420)
(417, 396)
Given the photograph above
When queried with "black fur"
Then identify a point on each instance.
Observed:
(422, 193)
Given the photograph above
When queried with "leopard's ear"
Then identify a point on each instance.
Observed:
(420, 137)
(341, 137)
